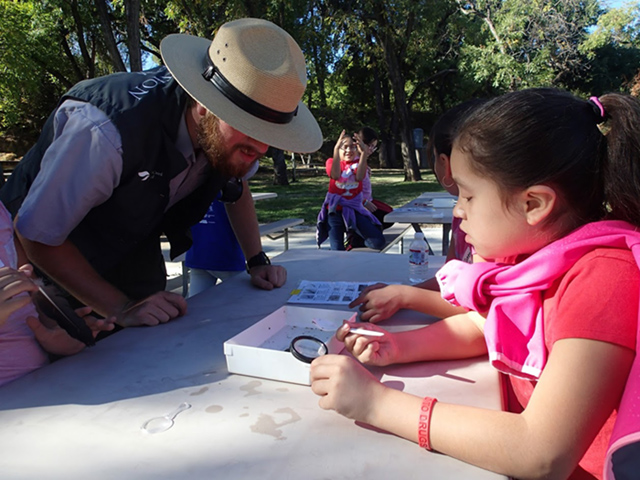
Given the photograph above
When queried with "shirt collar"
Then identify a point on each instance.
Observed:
(183, 141)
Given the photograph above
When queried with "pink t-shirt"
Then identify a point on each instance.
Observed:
(20, 353)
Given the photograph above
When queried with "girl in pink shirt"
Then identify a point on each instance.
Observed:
(26, 338)
(551, 182)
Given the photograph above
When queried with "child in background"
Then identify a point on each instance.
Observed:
(343, 207)
(380, 301)
(540, 184)
(379, 209)
(25, 336)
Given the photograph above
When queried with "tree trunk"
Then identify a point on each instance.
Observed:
(411, 170)
(84, 52)
(112, 47)
(132, 8)
(279, 166)
(320, 69)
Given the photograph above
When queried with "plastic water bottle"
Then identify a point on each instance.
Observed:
(418, 259)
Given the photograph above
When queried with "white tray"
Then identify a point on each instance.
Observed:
(262, 349)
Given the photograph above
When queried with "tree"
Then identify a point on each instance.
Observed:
(105, 18)
(528, 43)
(52, 44)
(132, 8)
(613, 51)
(383, 36)
(391, 64)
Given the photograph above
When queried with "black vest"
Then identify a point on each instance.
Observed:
(146, 108)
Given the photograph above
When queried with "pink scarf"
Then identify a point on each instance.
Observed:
(512, 295)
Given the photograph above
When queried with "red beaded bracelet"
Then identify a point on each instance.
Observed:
(426, 409)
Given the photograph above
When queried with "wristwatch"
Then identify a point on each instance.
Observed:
(257, 260)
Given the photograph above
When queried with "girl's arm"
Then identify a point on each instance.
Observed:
(335, 165)
(579, 388)
(361, 172)
(455, 337)
(459, 336)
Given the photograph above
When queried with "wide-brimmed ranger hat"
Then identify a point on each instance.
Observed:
(252, 76)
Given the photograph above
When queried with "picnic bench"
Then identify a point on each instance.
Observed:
(280, 229)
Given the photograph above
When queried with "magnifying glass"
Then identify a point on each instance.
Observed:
(307, 348)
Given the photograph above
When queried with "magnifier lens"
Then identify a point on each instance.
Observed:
(306, 348)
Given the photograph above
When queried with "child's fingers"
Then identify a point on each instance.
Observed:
(11, 305)
(105, 325)
(27, 269)
(35, 325)
(9, 277)
(83, 311)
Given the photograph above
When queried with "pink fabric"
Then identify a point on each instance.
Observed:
(19, 351)
(512, 295)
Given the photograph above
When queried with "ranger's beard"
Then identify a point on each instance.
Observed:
(218, 154)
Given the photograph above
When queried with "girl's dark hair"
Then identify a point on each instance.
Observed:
(368, 135)
(547, 136)
(443, 131)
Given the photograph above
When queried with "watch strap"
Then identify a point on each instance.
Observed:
(258, 260)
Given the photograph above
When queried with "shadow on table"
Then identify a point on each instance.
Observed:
(133, 363)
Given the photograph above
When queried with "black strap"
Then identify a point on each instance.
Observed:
(213, 75)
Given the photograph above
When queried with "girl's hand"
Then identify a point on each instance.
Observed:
(12, 284)
(377, 351)
(344, 386)
(363, 148)
(364, 293)
(341, 138)
(379, 302)
(54, 339)
(370, 206)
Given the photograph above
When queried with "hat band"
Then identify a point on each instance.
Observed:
(213, 75)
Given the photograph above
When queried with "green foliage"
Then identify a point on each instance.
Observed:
(24, 46)
(528, 43)
(391, 64)
(618, 27)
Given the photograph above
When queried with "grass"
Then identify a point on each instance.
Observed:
(303, 197)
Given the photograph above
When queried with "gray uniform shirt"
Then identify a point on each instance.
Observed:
(82, 167)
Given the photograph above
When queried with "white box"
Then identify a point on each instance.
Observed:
(261, 350)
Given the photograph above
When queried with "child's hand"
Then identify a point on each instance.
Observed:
(364, 293)
(379, 302)
(56, 340)
(377, 351)
(372, 147)
(363, 148)
(345, 386)
(341, 138)
(370, 206)
(12, 283)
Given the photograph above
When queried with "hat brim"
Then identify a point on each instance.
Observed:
(185, 57)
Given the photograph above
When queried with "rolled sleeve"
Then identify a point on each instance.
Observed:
(79, 171)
